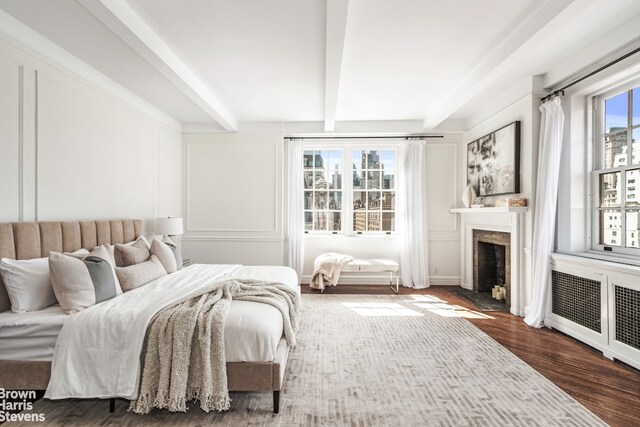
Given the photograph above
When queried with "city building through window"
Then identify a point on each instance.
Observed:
(617, 165)
(361, 200)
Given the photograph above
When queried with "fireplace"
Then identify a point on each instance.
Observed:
(491, 261)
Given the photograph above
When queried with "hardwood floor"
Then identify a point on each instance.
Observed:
(611, 390)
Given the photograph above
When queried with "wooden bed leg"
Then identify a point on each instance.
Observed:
(276, 401)
(112, 405)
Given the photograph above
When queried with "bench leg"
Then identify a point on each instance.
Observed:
(276, 401)
(396, 289)
(112, 405)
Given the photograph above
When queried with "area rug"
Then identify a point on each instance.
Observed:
(363, 360)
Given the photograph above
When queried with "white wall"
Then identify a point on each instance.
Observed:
(235, 206)
(526, 111)
(232, 204)
(71, 150)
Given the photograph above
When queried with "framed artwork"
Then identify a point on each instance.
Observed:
(493, 162)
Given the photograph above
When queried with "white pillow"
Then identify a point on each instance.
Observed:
(28, 283)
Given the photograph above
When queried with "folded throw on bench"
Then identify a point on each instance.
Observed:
(327, 268)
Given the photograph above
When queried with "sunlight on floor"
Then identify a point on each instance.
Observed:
(381, 309)
(442, 308)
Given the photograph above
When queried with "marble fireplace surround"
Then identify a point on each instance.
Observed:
(508, 220)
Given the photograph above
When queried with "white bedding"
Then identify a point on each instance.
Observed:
(97, 354)
(30, 335)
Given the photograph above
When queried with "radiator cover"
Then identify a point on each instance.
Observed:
(577, 299)
(627, 325)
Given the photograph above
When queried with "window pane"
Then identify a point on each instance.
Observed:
(632, 187)
(610, 189)
(388, 159)
(615, 150)
(616, 112)
(320, 200)
(388, 201)
(373, 180)
(389, 179)
(308, 200)
(319, 159)
(335, 200)
(308, 159)
(359, 180)
(373, 159)
(335, 169)
(308, 220)
(636, 106)
(359, 220)
(635, 146)
(632, 230)
(320, 181)
(373, 223)
(610, 227)
(374, 200)
(319, 220)
(308, 179)
(334, 221)
(359, 200)
(388, 221)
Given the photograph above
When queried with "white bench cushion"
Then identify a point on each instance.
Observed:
(371, 265)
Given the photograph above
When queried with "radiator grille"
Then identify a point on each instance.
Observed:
(576, 299)
(627, 316)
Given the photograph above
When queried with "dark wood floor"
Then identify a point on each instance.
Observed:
(609, 389)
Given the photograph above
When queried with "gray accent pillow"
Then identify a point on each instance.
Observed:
(126, 255)
(80, 283)
(165, 254)
(138, 275)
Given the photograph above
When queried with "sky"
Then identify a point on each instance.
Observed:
(616, 110)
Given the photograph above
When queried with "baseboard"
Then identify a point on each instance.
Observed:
(383, 279)
(444, 280)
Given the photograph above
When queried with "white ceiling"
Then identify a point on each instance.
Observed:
(220, 62)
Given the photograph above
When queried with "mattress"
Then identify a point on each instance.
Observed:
(252, 330)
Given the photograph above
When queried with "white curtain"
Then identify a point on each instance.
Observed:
(295, 228)
(412, 214)
(544, 218)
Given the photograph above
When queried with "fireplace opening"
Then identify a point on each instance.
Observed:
(491, 262)
(491, 268)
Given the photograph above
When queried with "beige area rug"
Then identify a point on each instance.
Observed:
(375, 361)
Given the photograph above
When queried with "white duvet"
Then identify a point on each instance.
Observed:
(98, 351)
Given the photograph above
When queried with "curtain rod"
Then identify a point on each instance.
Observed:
(593, 73)
(365, 137)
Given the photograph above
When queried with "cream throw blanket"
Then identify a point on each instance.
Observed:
(327, 268)
(185, 355)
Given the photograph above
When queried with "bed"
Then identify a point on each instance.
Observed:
(255, 363)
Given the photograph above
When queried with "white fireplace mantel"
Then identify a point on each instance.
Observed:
(505, 219)
(489, 210)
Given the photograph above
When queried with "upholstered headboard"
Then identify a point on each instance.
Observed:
(28, 240)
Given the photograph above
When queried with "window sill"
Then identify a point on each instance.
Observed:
(351, 236)
(616, 262)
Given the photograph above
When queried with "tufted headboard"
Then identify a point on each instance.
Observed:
(28, 240)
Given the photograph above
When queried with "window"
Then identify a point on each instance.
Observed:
(362, 200)
(617, 166)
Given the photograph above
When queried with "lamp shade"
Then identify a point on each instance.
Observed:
(168, 226)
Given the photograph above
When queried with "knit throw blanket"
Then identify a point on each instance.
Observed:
(185, 355)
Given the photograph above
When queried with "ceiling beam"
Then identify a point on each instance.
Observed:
(120, 18)
(336, 29)
(496, 62)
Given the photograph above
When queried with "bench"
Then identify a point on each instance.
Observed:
(375, 266)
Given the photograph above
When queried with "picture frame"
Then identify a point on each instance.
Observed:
(493, 162)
